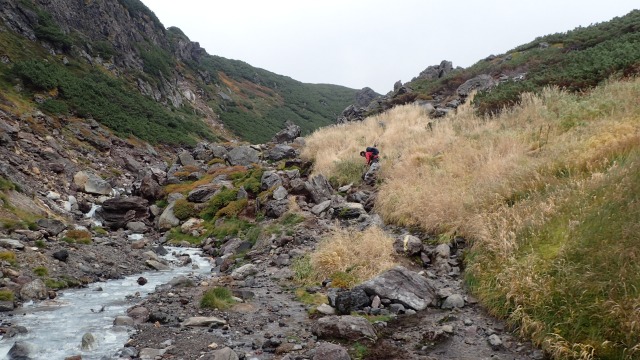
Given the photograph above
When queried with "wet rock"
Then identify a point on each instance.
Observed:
(329, 351)
(402, 286)
(16, 330)
(345, 327)
(20, 351)
(123, 321)
(34, 290)
(6, 306)
(156, 265)
(88, 341)
(61, 255)
(141, 280)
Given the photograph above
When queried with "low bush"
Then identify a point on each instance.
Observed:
(217, 298)
(6, 295)
(183, 209)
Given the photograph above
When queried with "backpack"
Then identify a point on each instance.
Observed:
(373, 150)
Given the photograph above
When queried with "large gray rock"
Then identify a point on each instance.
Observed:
(329, 351)
(51, 226)
(244, 271)
(222, 354)
(202, 193)
(288, 134)
(203, 321)
(348, 210)
(149, 188)
(480, 82)
(402, 286)
(168, 219)
(186, 159)
(117, 212)
(408, 245)
(11, 244)
(270, 179)
(243, 155)
(282, 151)
(319, 189)
(276, 208)
(345, 327)
(34, 290)
(351, 300)
(91, 183)
(20, 351)
(436, 71)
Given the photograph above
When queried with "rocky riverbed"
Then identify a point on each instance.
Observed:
(147, 197)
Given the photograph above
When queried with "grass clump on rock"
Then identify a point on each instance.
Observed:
(217, 298)
(6, 295)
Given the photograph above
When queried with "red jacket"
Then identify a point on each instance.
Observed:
(370, 157)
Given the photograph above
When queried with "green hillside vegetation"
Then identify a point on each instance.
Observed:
(547, 193)
(576, 60)
(255, 105)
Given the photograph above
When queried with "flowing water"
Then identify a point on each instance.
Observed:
(55, 327)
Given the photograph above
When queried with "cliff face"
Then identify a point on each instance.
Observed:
(126, 39)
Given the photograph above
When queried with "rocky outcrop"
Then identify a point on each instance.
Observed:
(402, 286)
(288, 134)
(117, 212)
(436, 71)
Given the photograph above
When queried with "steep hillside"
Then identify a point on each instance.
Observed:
(547, 193)
(117, 64)
(576, 61)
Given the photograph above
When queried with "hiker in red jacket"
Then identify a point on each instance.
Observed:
(371, 155)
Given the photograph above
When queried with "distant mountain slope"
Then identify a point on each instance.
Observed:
(576, 60)
(113, 61)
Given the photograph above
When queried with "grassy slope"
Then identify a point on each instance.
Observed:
(546, 192)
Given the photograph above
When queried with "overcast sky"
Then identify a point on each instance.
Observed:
(374, 43)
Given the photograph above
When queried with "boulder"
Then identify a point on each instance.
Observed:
(149, 188)
(243, 155)
(51, 226)
(244, 271)
(280, 193)
(123, 321)
(167, 219)
(20, 351)
(348, 210)
(408, 245)
(202, 193)
(320, 208)
(345, 327)
(91, 183)
(117, 212)
(288, 134)
(319, 189)
(11, 244)
(480, 82)
(61, 255)
(270, 179)
(282, 151)
(34, 290)
(402, 286)
(329, 351)
(203, 321)
(351, 300)
(186, 159)
(139, 314)
(221, 354)
(88, 342)
(276, 208)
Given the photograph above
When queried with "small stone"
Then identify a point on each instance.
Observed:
(495, 342)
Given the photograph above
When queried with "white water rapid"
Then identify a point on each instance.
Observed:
(55, 327)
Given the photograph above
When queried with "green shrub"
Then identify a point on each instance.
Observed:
(47, 30)
(217, 202)
(41, 244)
(6, 184)
(6, 295)
(232, 209)
(290, 219)
(230, 226)
(217, 298)
(348, 171)
(183, 209)
(41, 271)
(55, 107)
(8, 256)
(176, 236)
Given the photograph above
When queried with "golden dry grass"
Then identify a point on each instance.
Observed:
(541, 190)
(362, 255)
